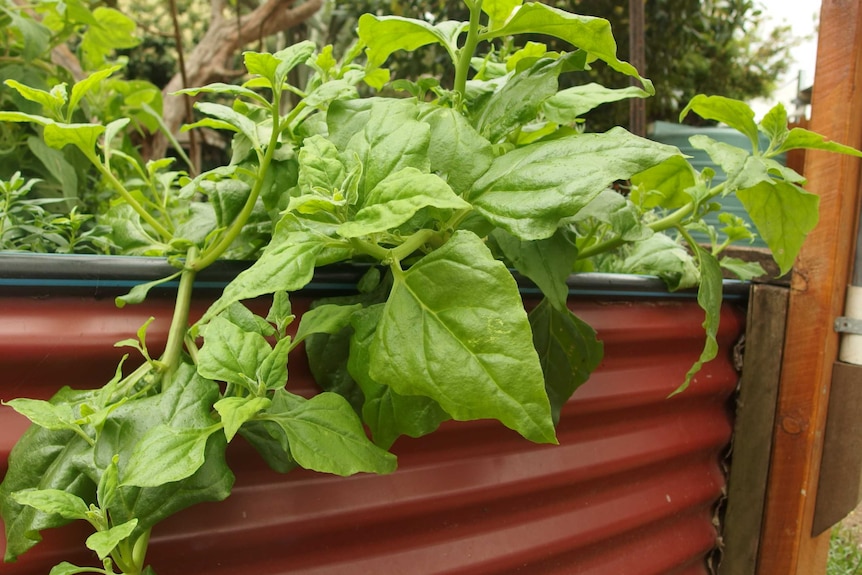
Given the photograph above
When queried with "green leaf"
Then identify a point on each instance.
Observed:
(568, 350)
(498, 11)
(85, 137)
(384, 35)
(24, 118)
(230, 117)
(614, 209)
(270, 442)
(165, 455)
(57, 165)
(319, 166)
(82, 88)
(272, 372)
(228, 197)
(52, 101)
(741, 168)
(387, 413)
(235, 411)
(457, 152)
(664, 185)
(800, 138)
(113, 30)
(139, 293)
(104, 542)
(519, 99)
(709, 299)
(232, 354)
(223, 89)
(280, 312)
(774, 125)
(275, 67)
(783, 214)
(548, 263)
(391, 140)
(185, 404)
(567, 106)
(36, 36)
(45, 414)
(461, 312)
(44, 459)
(593, 35)
(66, 505)
(659, 255)
(746, 271)
(325, 435)
(397, 198)
(530, 191)
(287, 264)
(734, 113)
(66, 568)
(327, 318)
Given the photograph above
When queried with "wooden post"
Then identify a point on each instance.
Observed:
(818, 286)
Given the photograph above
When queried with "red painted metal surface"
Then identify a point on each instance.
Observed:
(630, 489)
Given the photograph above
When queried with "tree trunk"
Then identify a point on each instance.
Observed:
(208, 60)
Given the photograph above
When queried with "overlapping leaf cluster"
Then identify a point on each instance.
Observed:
(440, 194)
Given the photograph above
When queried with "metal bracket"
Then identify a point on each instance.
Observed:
(848, 325)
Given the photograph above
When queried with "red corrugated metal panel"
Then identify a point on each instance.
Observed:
(630, 489)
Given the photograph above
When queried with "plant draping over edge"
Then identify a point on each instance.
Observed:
(442, 192)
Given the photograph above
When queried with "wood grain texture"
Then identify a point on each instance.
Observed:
(752, 431)
(817, 297)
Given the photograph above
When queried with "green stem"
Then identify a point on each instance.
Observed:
(413, 243)
(468, 49)
(129, 199)
(214, 252)
(180, 321)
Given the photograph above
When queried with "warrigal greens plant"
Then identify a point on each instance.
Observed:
(440, 194)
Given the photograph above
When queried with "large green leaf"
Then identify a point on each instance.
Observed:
(114, 30)
(800, 138)
(44, 459)
(85, 137)
(783, 214)
(391, 140)
(231, 354)
(397, 198)
(498, 11)
(287, 264)
(457, 152)
(454, 329)
(568, 350)
(387, 413)
(186, 404)
(519, 99)
(383, 35)
(590, 34)
(659, 255)
(320, 166)
(547, 262)
(734, 113)
(664, 185)
(566, 106)
(530, 191)
(614, 209)
(324, 434)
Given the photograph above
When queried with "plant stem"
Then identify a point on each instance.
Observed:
(469, 47)
(129, 199)
(214, 252)
(180, 320)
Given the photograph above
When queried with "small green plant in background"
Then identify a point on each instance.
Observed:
(845, 552)
(439, 194)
